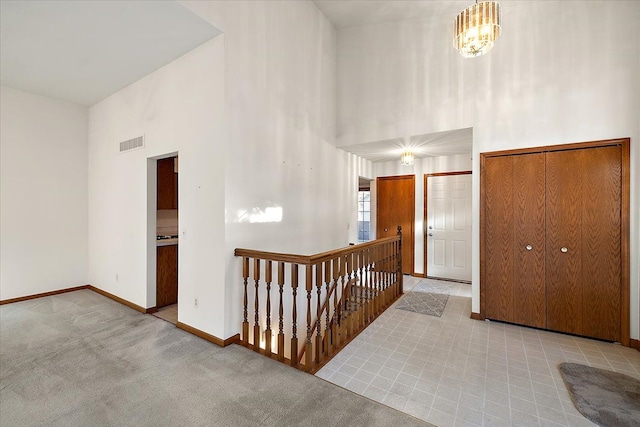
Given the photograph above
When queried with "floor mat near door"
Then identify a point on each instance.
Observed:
(426, 298)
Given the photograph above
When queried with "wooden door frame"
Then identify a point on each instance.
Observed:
(624, 144)
(424, 227)
(152, 243)
(413, 213)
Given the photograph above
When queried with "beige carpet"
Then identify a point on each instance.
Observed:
(80, 359)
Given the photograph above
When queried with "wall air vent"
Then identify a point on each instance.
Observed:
(132, 144)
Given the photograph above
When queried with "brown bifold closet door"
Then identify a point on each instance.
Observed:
(514, 239)
(498, 209)
(529, 251)
(583, 214)
(555, 238)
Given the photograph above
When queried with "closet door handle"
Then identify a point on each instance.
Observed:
(564, 250)
(528, 247)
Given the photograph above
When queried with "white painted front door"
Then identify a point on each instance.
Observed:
(449, 227)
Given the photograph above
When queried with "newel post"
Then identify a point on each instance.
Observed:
(400, 278)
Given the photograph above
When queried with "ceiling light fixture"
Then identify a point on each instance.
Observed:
(407, 158)
(476, 28)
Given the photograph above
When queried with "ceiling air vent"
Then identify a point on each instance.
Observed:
(132, 144)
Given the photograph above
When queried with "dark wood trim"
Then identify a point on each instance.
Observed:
(235, 339)
(187, 328)
(44, 294)
(476, 316)
(425, 213)
(117, 299)
(625, 279)
(624, 143)
(482, 259)
(449, 173)
(561, 147)
(634, 344)
(421, 275)
(309, 259)
(79, 288)
(392, 177)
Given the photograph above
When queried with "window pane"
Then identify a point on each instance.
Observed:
(364, 216)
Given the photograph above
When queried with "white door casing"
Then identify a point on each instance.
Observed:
(448, 227)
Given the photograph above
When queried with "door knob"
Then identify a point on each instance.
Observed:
(564, 250)
(430, 234)
(528, 247)
(386, 229)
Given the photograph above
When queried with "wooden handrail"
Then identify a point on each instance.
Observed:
(307, 260)
(331, 323)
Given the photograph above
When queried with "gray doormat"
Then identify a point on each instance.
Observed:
(604, 397)
(426, 298)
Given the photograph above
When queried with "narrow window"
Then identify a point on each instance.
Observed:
(364, 215)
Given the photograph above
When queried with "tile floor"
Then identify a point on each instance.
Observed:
(168, 313)
(454, 371)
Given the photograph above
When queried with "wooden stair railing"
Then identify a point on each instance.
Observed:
(343, 291)
(330, 320)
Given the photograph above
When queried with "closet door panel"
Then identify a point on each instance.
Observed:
(529, 237)
(499, 239)
(601, 243)
(564, 284)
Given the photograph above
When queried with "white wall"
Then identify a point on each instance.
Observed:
(561, 72)
(43, 193)
(281, 59)
(179, 109)
(419, 169)
(251, 115)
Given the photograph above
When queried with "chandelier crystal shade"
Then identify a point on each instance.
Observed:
(476, 29)
(407, 158)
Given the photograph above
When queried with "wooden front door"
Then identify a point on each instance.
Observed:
(395, 206)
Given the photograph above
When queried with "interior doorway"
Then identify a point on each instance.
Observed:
(447, 239)
(163, 208)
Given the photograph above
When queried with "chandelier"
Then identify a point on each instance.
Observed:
(407, 158)
(476, 28)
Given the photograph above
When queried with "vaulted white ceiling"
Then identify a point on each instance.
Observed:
(351, 13)
(84, 51)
